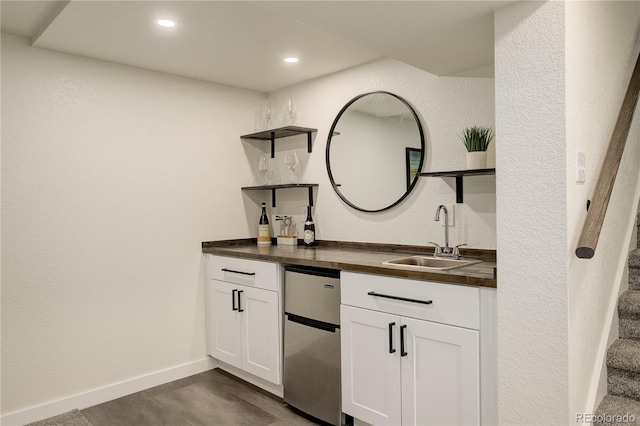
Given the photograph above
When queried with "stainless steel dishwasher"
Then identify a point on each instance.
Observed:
(312, 342)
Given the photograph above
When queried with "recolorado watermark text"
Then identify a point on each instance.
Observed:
(605, 418)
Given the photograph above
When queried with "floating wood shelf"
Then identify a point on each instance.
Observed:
(273, 189)
(281, 132)
(459, 174)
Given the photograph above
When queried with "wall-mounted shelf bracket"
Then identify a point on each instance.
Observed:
(282, 132)
(459, 174)
(273, 189)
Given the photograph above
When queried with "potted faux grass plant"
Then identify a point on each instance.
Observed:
(477, 140)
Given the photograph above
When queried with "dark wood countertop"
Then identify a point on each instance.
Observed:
(361, 257)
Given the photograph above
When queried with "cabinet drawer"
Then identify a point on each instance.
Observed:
(450, 304)
(254, 273)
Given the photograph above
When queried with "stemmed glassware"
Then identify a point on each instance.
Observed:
(265, 168)
(267, 113)
(291, 161)
(290, 111)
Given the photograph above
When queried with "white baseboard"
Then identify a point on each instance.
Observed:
(106, 393)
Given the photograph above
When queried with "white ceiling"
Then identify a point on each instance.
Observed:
(242, 43)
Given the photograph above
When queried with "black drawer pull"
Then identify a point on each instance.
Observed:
(233, 300)
(238, 272)
(239, 308)
(391, 348)
(402, 351)
(405, 299)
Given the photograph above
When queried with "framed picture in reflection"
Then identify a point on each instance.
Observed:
(413, 162)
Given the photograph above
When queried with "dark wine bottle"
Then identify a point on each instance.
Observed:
(309, 230)
(264, 237)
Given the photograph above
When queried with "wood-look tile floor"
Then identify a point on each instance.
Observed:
(211, 398)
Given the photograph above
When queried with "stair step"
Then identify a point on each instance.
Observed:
(634, 258)
(617, 410)
(629, 328)
(634, 278)
(629, 304)
(624, 354)
(623, 368)
(623, 383)
(634, 268)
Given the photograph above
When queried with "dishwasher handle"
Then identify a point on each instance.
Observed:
(404, 299)
(309, 322)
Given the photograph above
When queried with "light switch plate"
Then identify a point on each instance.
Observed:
(451, 208)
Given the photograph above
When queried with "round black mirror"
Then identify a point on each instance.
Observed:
(375, 150)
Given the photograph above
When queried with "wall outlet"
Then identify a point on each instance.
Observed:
(451, 208)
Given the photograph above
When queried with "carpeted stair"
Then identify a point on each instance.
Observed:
(621, 405)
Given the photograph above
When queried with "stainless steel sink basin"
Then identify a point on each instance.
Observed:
(428, 262)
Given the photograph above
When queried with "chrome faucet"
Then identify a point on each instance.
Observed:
(446, 250)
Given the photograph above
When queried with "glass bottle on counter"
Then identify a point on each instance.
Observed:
(264, 236)
(309, 230)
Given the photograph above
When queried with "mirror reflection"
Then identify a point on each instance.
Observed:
(375, 148)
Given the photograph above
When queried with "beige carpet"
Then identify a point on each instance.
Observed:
(72, 418)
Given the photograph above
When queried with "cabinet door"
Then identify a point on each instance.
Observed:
(223, 323)
(440, 374)
(371, 389)
(261, 343)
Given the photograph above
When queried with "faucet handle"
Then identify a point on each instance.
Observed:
(437, 250)
(456, 252)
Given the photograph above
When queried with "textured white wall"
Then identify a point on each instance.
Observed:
(445, 106)
(561, 72)
(531, 214)
(601, 53)
(111, 178)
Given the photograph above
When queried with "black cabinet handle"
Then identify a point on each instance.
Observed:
(237, 272)
(402, 352)
(239, 308)
(233, 300)
(404, 299)
(391, 348)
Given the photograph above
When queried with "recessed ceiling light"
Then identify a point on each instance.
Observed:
(167, 23)
(291, 60)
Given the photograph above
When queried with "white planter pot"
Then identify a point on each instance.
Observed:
(477, 160)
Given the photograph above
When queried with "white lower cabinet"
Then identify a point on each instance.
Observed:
(371, 378)
(243, 322)
(398, 370)
(440, 375)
